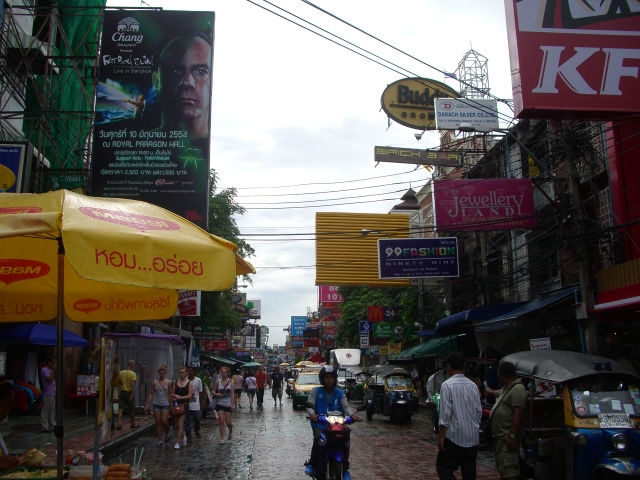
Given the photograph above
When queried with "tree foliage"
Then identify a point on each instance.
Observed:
(358, 299)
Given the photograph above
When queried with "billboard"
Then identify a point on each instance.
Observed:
(153, 117)
(574, 59)
(480, 113)
(416, 156)
(410, 101)
(189, 303)
(418, 258)
(15, 170)
(329, 294)
(298, 325)
(493, 204)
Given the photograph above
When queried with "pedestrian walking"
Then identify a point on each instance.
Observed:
(126, 396)
(506, 421)
(195, 405)
(261, 381)
(238, 384)
(252, 385)
(48, 412)
(460, 412)
(276, 380)
(182, 393)
(415, 377)
(160, 389)
(223, 390)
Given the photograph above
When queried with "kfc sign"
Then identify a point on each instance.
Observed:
(574, 59)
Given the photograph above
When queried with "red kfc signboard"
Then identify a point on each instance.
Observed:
(492, 204)
(216, 345)
(574, 58)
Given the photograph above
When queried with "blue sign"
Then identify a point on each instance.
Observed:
(298, 326)
(418, 257)
(11, 160)
(365, 327)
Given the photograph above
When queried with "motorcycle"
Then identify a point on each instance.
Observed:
(336, 437)
(289, 388)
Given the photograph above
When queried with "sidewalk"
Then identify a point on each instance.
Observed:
(24, 431)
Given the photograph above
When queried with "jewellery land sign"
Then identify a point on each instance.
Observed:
(418, 258)
(574, 58)
(153, 109)
(410, 101)
(480, 113)
(493, 204)
(415, 156)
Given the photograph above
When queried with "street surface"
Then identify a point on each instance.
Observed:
(273, 443)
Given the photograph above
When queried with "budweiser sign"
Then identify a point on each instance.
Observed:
(574, 58)
(495, 204)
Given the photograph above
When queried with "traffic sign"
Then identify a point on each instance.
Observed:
(365, 327)
(398, 330)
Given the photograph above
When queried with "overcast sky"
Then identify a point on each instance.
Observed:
(296, 117)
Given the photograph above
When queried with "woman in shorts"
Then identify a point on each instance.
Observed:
(160, 395)
(223, 391)
(238, 384)
(182, 394)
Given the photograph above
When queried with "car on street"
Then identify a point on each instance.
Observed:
(302, 387)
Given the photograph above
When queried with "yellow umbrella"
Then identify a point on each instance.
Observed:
(100, 259)
(303, 363)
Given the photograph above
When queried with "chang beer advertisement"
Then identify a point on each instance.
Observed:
(153, 110)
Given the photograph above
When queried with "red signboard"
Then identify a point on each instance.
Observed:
(493, 204)
(329, 294)
(216, 345)
(574, 59)
(311, 342)
(375, 314)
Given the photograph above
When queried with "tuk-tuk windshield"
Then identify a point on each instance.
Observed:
(605, 395)
(394, 381)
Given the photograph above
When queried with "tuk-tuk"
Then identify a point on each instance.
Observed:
(389, 391)
(358, 388)
(582, 419)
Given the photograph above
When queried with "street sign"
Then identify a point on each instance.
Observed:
(364, 341)
(215, 330)
(365, 327)
(383, 329)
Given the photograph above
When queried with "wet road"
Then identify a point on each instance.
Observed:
(274, 442)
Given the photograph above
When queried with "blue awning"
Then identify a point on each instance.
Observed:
(476, 313)
(507, 320)
(428, 333)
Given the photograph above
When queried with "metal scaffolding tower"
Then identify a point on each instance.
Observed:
(48, 71)
(473, 74)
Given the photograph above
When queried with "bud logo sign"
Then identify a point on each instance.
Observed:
(573, 58)
(418, 257)
(15, 270)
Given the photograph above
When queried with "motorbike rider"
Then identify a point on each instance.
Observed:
(326, 398)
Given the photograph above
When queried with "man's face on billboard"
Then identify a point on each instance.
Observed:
(189, 80)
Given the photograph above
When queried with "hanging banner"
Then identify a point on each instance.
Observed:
(153, 110)
(189, 303)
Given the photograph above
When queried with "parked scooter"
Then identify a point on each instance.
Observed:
(336, 437)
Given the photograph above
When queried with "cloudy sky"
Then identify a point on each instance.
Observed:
(296, 117)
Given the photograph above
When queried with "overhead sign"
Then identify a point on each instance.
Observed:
(480, 113)
(416, 156)
(382, 313)
(418, 257)
(298, 325)
(15, 168)
(410, 101)
(189, 303)
(574, 59)
(153, 117)
(365, 327)
(492, 204)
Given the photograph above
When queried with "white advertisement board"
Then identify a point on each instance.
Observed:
(480, 113)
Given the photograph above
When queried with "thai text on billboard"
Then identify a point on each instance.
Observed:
(298, 325)
(493, 204)
(153, 115)
(571, 58)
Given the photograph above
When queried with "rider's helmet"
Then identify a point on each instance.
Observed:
(327, 370)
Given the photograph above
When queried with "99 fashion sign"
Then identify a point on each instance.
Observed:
(153, 110)
(418, 257)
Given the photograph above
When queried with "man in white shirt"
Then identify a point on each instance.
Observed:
(460, 412)
(195, 405)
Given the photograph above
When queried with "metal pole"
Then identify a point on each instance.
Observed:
(59, 428)
(96, 434)
(420, 306)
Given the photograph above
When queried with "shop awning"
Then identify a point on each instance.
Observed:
(507, 320)
(618, 298)
(476, 313)
(440, 346)
(217, 359)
